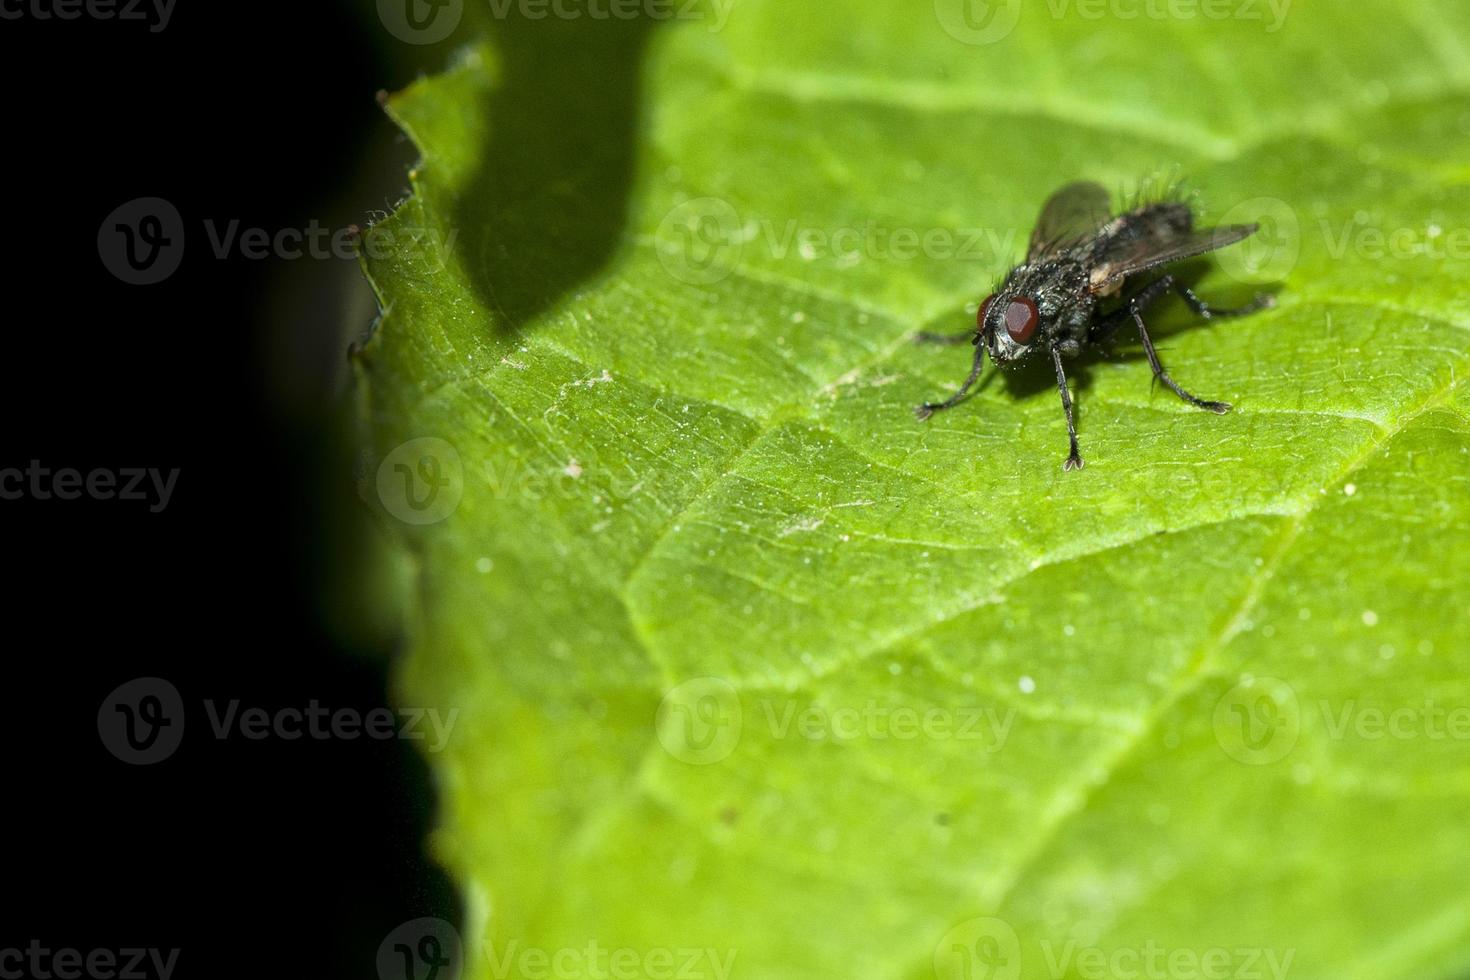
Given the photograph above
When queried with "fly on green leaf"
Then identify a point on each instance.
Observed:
(1076, 288)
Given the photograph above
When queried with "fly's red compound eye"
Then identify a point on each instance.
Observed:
(1021, 319)
(984, 309)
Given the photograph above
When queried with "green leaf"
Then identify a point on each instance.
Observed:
(747, 661)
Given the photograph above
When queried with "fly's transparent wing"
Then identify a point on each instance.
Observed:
(1124, 258)
(1071, 214)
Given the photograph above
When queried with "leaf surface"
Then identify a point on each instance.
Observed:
(748, 661)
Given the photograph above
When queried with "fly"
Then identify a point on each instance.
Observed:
(1081, 255)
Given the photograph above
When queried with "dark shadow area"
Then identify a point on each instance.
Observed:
(240, 854)
(548, 201)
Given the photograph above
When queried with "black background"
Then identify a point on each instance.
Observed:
(263, 858)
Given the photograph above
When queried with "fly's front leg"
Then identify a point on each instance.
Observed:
(1074, 459)
(1135, 309)
(929, 408)
(948, 339)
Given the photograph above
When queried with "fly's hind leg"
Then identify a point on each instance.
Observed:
(1263, 301)
(1104, 325)
(1102, 328)
(1135, 310)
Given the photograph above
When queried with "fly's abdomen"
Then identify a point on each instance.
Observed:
(1160, 221)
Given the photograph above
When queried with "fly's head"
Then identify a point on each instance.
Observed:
(1010, 324)
(1024, 313)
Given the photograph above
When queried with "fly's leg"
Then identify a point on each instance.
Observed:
(929, 408)
(1205, 311)
(1145, 297)
(1135, 309)
(1104, 325)
(1074, 459)
(948, 339)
